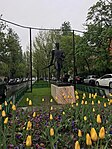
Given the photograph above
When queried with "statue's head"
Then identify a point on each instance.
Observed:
(57, 45)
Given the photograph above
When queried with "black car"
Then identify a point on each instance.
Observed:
(3, 90)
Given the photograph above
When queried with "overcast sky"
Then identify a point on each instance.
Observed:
(44, 14)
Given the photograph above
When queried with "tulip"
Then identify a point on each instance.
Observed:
(98, 101)
(51, 100)
(34, 114)
(98, 119)
(51, 132)
(77, 145)
(79, 133)
(105, 104)
(92, 102)
(76, 92)
(63, 113)
(89, 95)
(77, 97)
(85, 118)
(30, 103)
(0, 107)
(93, 109)
(29, 125)
(82, 102)
(13, 107)
(102, 133)
(51, 117)
(3, 113)
(93, 133)
(5, 103)
(88, 139)
(6, 120)
(94, 97)
(77, 104)
(85, 102)
(27, 99)
(51, 108)
(28, 141)
(10, 102)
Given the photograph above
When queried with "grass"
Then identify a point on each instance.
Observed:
(36, 97)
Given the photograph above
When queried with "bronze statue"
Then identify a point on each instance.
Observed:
(57, 59)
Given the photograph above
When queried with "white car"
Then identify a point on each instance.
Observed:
(90, 79)
(105, 80)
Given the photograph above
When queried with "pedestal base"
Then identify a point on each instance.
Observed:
(63, 94)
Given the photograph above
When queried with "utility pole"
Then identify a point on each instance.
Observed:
(73, 44)
(31, 58)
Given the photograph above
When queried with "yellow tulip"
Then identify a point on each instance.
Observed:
(51, 117)
(110, 101)
(51, 132)
(13, 107)
(51, 108)
(85, 118)
(102, 133)
(105, 104)
(82, 102)
(34, 114)
(93, 109)
(94, 97)
(3, 113)
(51, 100)
(77, 145)
(28, 141)
(10, 102)
(63, 113)
(98, 119)
(92, 102)
(5, 103)
(77, 104)
(98, 101)
(85, 102)
(93, 133)
(6, 120)
(29, 125)
(0, 107)
(27, 99)
(89, 95)
(77, 97)
(88, 139)
(79, 133)
(30, 103)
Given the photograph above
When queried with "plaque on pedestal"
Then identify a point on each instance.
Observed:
(63, 93)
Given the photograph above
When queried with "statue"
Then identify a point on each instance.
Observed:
(57, 59)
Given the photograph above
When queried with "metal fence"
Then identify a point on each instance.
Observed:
(14, 98)
(91, 89)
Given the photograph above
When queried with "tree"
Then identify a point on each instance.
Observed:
(66, 28)
(43, 44)
(99, 30)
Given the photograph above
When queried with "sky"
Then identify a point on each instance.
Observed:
(44, 14)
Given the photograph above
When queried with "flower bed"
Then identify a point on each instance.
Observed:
(85, 124)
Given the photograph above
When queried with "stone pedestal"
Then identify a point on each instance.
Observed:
(63, 94)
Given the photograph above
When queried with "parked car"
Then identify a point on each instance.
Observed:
(78, 79)
(3, 91)
(105, 80)
(90, 79)
(12, 82)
